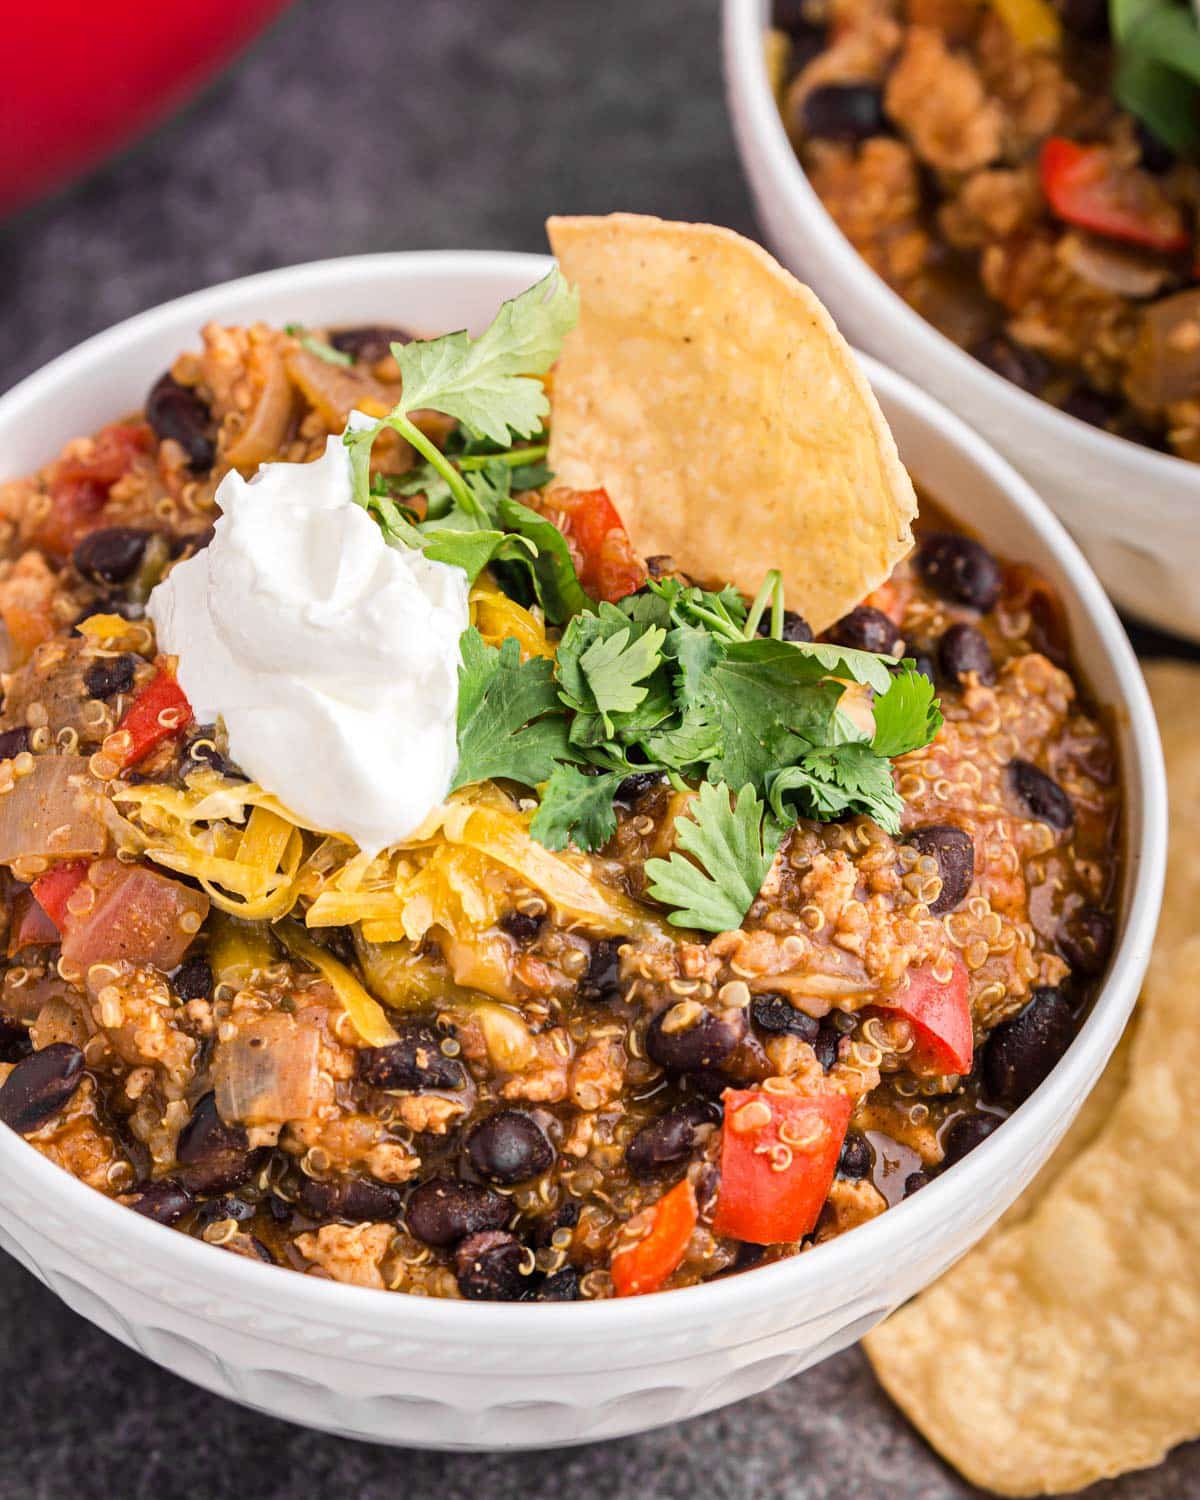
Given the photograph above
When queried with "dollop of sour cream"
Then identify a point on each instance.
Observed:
(332, 657)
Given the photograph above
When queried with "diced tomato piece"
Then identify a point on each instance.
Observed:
(1086, 187)
(138, 914)
(604, 557)
(80, 487)
(29, 926)
(778, 1156)
(54, 889)
(645, 1265)
(159, 711)
(940, 1016)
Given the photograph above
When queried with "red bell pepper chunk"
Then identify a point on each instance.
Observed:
(55, 888)
(603, 555)
(159, 711)
(939, 1014)
(778, 1156)
(1084, 186)
(645, 1265)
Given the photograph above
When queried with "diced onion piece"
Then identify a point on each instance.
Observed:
(268, 1073)
(365, 1012)
(135, 914)
(336, 391)
(262, 437)
(52, 813)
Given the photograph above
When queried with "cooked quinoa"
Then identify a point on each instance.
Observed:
(557, 1089)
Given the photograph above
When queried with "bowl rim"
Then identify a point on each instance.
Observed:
(189, 1260)
(747, 82)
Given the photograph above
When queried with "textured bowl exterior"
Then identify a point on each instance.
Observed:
(424, 1373)
(1135, 512)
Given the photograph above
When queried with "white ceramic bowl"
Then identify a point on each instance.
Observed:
(471, 1375)
(1135, 512)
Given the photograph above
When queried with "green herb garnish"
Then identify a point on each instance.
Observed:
(1157, 74)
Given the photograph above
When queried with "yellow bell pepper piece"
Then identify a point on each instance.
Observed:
(1034, 24)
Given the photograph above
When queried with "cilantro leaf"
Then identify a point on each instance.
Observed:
(486, 382)
(907, 715)
(555, 581)
(576, 808)
(732, 848)
(770, 702)
(832, 780)
(509, 721)
(603, 660)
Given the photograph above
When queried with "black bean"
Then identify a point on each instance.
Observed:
(201, 754)
(1086, 939)
(214, 1156)
(1021, 1051)
(1086, 18)
(444, 1211)
(489, 1265)
(924, 664)
(686, 1040)
(855, 1161)
(39, 1086)
(111, 555)
(1043, 797)
(15, 1041)
(1093, 407)
(14, 742)
(795, 627)
(671, 1139)
(777, 1015)
(280, 1209)
(844, 111)
(967, 1132)
(416, 1061)
(216, 1210)
(175, 411)
(521, 926)
(960, 569)
(1024, 367)
(563, 1286)
(358, 1199)
(867, 629)
(370, 343)
(165, 1201)
(108, 676)
(193, 979)
(828, 1044)
(601, 984)
(565, 1216)
(1156, 155)
(954, 850)
(634, 788)
(915, 1181)
(192, 542)
(963, 649)
(509, 1147)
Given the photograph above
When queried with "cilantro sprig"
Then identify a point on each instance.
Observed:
(668, 681)
(489, 385)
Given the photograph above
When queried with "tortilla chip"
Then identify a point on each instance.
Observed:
(710, 394)
(1063, 1349)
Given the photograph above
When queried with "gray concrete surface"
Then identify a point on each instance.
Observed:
(368, 125)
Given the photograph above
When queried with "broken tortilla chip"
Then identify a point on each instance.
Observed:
(1063, 1349)
(708, 391)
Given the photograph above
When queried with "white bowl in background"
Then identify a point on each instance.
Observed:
(444, 1374)
(1135, 512)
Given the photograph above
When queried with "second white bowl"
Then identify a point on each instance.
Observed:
(1135, 512)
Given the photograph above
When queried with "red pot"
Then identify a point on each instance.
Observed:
(79, 78)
